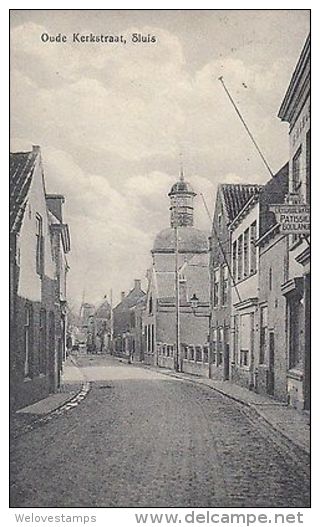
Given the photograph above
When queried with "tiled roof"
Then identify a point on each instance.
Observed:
(235, 196)
(21, 172)
(273, 192)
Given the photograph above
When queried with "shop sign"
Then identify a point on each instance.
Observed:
(293, 219)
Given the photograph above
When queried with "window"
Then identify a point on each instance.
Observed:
(308, 167)
(152, 338)
(191, 352)
(145, 334)
(245, 339)
(205, 354)
(150, 305)
(198, 354)
(224, 289)
(236, 337)
(263, 334)
(43, 341)
(39, 245)
(296, 319)
(253, 255)
(246, 253)
(234, 260)
(220, 346)
(149, 339)
(216, 287)
(219, 221)
(240, 258)
(296, 171)
(214, 345)
(270, 279)
(27, 341)
(185, 352)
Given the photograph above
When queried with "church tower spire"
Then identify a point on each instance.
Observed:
(181, 202)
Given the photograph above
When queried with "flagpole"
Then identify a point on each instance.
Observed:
(111, 322)
(177, 302)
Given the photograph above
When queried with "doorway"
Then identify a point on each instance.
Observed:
(270, 387)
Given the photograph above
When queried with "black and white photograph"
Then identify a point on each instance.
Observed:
(160, 191)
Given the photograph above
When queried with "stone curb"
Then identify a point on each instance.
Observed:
(69, 403)
(249, 405)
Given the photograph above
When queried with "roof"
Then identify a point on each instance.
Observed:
(181, 187)
(130, 300)
(273, 192)
(191, 240)
(21, 171)
(103, 310)
(235, 196)
(300, 78)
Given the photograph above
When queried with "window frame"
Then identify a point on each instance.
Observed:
(39, 245)
(216, 286)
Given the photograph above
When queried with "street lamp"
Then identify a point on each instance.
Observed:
(194, 301)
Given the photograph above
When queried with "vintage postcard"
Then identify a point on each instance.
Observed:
(160, 262)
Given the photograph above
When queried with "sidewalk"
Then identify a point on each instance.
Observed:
(292, 424)
(72, 383)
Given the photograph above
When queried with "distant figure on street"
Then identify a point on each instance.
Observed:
(98, 344)
(69, 344)
(131, 353)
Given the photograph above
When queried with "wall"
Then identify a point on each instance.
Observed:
(29, 280)
(248, 291)
(193, 329)
(273, 255)
(220, 316)
(36, 292)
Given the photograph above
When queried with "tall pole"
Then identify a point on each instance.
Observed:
(177, 303)
(111, 323)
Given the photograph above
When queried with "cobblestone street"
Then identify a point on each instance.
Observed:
(143, 439)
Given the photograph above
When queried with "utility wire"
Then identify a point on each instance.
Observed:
(246, 127)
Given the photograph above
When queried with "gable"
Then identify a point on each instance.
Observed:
(22, 166)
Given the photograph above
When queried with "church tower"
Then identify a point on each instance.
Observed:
(181, 203)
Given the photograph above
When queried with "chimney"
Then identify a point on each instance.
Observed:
(137, 285)
(54, 204)
(123, 295)
(35, 148)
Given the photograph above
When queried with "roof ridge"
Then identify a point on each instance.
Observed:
(21, 172)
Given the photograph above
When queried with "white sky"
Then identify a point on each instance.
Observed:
(112, 119)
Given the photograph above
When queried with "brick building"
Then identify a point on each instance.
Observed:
(271, 355)
(36, 348)
(258, 264)
(60, 243)
(230, 199)
(102, 319)
(160, 327)
(295, 110)
(124, 322)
